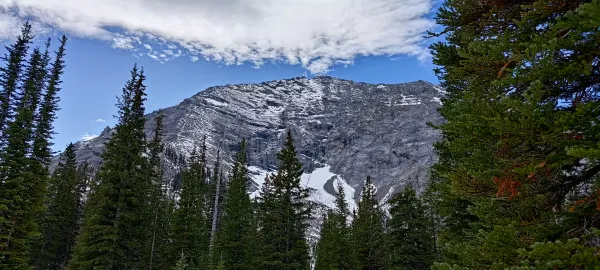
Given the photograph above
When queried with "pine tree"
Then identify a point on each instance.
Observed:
(236, 235)
(333, 250)
(191, 223)
(520, 139)
(284, 214)
(368, 231)
(410, 232)
(115, 227)
(62, 220)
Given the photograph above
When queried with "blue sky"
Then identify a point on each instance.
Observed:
(383, 44)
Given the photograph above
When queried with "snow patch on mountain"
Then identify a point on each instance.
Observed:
(215, 102)
(322, 183)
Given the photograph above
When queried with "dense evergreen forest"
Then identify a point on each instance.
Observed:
(517, 184)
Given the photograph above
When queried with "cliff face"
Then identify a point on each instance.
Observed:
(344, 130)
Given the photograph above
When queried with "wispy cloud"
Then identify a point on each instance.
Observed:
(100, 120)
(313, 33)
(86, 136)
(10, 25)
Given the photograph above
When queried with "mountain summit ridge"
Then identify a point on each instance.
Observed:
(354, 129)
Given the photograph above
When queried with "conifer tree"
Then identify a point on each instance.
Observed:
(115, 227)
(333, 250)
(324, 250)
(410, 232)
(181, 263)
(49, 106)
(284, 214)
(216, 200)
(236, 235)
(160, 205)
(23, 179)
(62, 220)
(520, 138)
(10, 75)
(368, 232)
(191, 223)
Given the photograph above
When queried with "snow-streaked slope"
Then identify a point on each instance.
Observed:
(343, 131)
(316, 181)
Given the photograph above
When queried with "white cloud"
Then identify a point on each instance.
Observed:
(100, 120)
(10, 25)
(313, 33)
(86, 136)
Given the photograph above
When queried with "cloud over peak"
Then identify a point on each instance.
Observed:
(313, 33)
(87, 136)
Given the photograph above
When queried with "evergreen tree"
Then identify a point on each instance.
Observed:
(160, 205)
(190, 224)
(236, 235)
(181, 263)
(48, 107)
(216, 200)
(368, 231)
(62, 220)
(115, 227)
(410, 232)
(23, 178)
(333, 250)
(10, 75)
(284, 214)
(520, 139)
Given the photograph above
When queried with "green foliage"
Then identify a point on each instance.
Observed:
(11, 74)
(368, 232)
(23, 175)
(49, 105)
(284, 212)
(156, 253)
(61, 222)
(572, 254)
(334, 250)
(116, 221)
(520, 136)
(237, 234)
(410, 232)
(181, 264)
(191, 220)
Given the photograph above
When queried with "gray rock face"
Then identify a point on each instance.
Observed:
(356, 129)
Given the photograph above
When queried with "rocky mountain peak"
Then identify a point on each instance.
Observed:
(344, 130)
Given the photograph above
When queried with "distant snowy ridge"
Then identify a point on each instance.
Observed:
(343, 130)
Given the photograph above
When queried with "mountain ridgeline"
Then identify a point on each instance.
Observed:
(354, 129)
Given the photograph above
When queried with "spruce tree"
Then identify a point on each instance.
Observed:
(23, 179)
(191, 223)
(10, 76)
(520, 138)
(160, 204)
(62, 220)
(284, 214)
(333, 251)
(325, 247)
(49, 106)
(216, 199)
(410, 232)
(236, 235)
(368, 232)
(115, 227)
